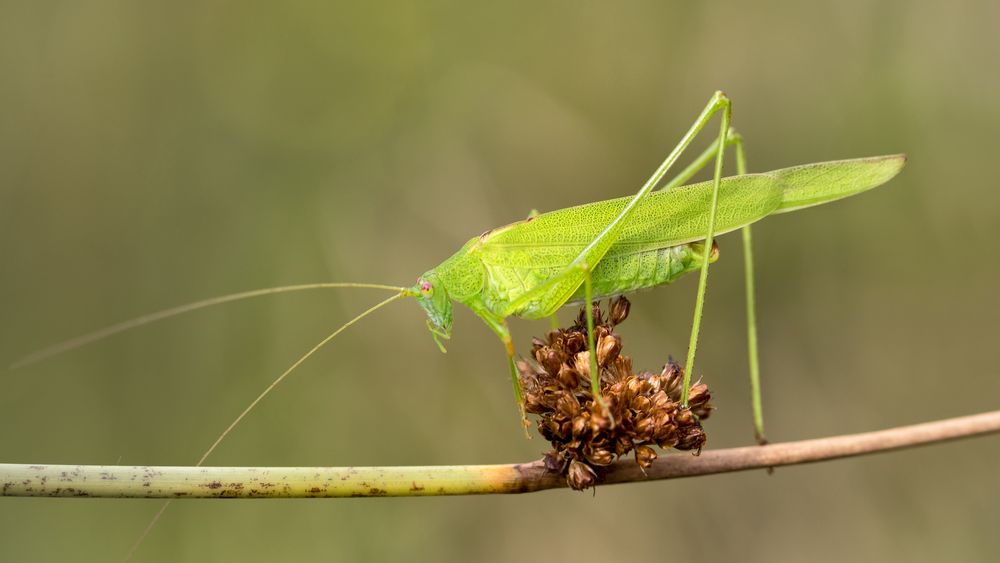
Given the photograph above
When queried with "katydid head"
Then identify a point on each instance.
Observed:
(431, 295)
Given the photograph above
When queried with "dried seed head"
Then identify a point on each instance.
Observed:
(642, 410)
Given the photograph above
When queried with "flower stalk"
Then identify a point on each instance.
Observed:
(102, 481)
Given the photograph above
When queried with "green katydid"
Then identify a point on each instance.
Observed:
(533, 267)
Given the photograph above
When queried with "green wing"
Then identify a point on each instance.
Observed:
(813, 184)
(680, 216)
(522, 255)
(661, 220)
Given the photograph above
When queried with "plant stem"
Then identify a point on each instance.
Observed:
(105, 481)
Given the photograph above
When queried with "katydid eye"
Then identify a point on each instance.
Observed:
(425, 286)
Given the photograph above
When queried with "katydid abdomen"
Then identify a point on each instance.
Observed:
(625, 268)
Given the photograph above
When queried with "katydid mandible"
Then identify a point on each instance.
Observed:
(533, 267)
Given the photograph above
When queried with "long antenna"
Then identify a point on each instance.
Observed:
(105, 332)
(264, 393)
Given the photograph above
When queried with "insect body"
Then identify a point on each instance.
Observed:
(498, 274)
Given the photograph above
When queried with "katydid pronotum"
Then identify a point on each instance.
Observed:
(533, 267)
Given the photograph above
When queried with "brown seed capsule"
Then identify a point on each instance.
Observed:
(533, 405)
(599, 457)
(636, 386)
(666, 434)
(549, 426)
(660, 401)
(581, 424)
(580, 476)
(619, 369)
(574, 342)
(644, 456)
(581, 361)
(692, 438)
(623, 445)
(568, 377)
(643, 430)
(619, 310)
(600, 420)
(567, 405)
(566, 428)
(668, 441)
(698, 397)
(640, 404)
(661, 418)
(672, 377)
(685, 418)
(549, 359)
(608, 349)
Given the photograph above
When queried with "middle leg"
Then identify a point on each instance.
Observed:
(554, 292)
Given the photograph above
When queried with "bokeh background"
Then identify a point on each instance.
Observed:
(153, 153)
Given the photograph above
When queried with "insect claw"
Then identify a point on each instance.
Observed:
(437, 335)
(525, 423)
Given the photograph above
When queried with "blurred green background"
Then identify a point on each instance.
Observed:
(153, 153)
